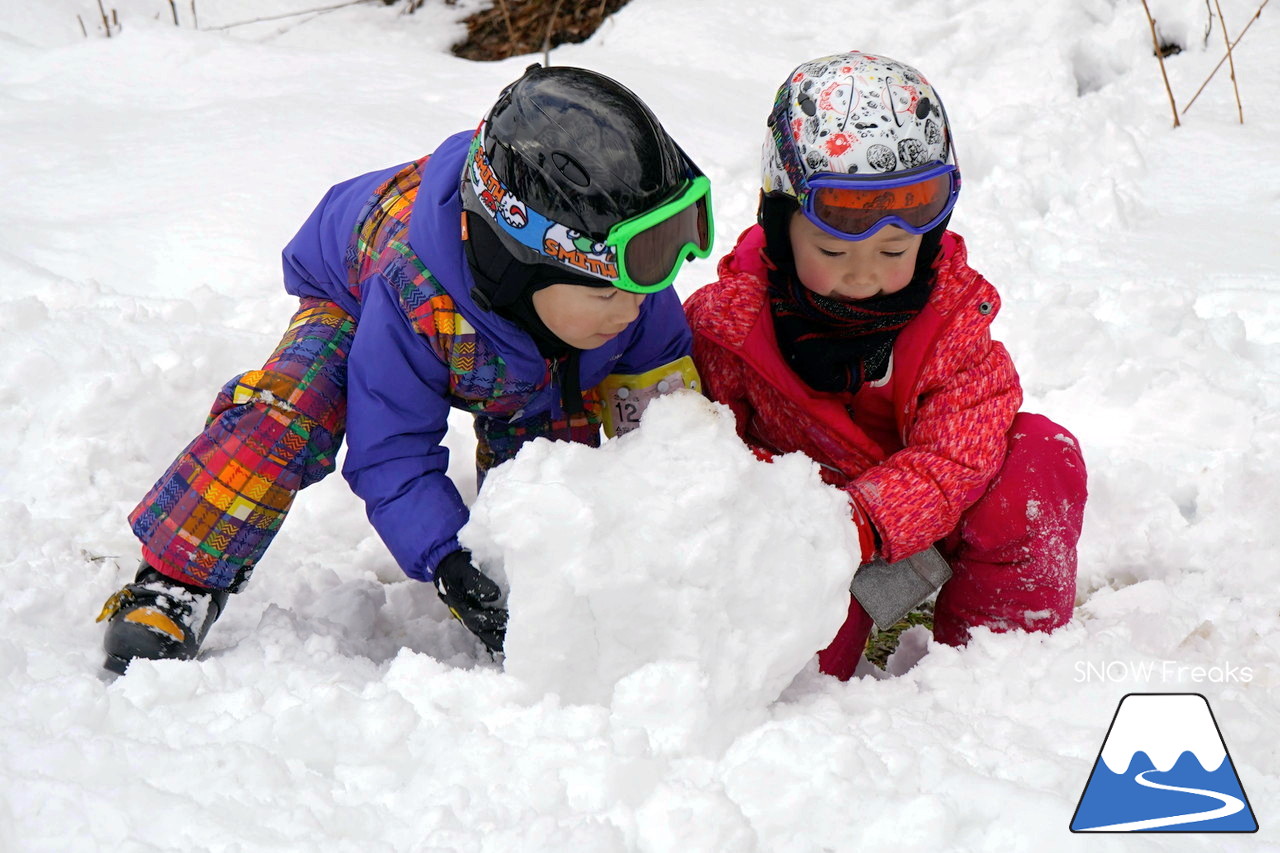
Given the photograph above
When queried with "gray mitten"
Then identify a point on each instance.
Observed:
(888, 591)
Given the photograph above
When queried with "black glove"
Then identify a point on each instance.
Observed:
(467, 592)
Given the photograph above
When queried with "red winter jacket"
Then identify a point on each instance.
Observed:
(954, 393)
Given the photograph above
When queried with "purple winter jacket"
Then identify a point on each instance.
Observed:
(401, 378)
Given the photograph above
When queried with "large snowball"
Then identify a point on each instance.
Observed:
(668, 572)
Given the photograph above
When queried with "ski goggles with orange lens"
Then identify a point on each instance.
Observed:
(853, 207)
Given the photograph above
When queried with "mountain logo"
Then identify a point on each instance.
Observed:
(1163, 767)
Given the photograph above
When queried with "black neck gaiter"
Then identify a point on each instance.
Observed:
(837, 346)
(506, 287)
(566, 359)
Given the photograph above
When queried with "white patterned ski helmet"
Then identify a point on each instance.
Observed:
(852, 113)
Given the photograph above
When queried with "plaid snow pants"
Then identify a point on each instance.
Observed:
(1013, 555)
(271, 432)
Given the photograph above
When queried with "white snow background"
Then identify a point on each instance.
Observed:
(651, 700)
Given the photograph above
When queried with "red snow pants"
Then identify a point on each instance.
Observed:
(1013, 555)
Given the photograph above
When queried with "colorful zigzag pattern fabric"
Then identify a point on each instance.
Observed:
(210, 517)
(271, 432)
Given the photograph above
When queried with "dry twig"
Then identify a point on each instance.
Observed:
(511, 31)
(546, 41)
(512, 27)
(106, 24)
(1231, 60)
(1155, 40)
(293, 14)
(1256, 16)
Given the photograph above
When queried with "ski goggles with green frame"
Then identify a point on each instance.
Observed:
(651, 247)
(642, 254)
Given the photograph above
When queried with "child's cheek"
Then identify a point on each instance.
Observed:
(811, 274)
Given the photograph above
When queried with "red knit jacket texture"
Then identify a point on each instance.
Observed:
(954, 391)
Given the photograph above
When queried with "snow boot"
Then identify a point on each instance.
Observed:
(158, 618)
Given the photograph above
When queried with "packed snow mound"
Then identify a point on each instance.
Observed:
(669, 567)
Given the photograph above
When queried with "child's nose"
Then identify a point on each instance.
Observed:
(859, 280)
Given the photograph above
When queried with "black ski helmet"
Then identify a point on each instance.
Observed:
(572, 147)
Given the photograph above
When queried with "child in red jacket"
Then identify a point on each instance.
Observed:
(848, 326)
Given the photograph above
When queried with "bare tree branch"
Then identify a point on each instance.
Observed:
(1231, 60)
(546, 42)
(292, 14)
(1155, 41)
(106, 24)
(511, 31)
(1256, 16)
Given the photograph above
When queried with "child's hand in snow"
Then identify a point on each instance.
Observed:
(468, 593)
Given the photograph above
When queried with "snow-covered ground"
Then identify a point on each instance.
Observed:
(148, 183)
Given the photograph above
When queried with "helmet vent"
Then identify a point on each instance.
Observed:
(570, 168)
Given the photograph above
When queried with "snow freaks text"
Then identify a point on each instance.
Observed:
(1161, 670)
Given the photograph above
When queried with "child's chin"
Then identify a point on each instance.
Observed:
(598, 341)
(854, 299)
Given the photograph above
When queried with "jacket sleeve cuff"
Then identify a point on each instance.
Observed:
(425, 567)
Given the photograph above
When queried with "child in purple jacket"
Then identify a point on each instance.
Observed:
(520, 272)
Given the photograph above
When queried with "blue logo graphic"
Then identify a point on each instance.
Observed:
(1163, 767)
